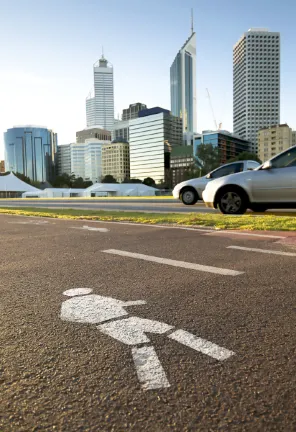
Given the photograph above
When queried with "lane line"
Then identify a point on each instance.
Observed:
(149, 369)
(87, 228)
(246, 234)
(202, 345)
(266, 251)
(175, 263)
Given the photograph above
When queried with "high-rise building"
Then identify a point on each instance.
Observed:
(93, 160)
(31, 150)
(273, 140)
(77, 152)
(256, 83)
(132, 111)
(100, 105)
(152, 136)
(230, 145)
(121, 130)
(183, 85)
(64, 159)
(116, 160)
(82, 159)
(2, 166)
(93, 133)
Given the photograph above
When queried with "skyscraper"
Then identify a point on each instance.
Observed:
(183, 84)
(100, 106)
(256, 83)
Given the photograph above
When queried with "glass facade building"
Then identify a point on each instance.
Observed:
(31, 150)
(183, 85)
(229, 144)
(151, 140)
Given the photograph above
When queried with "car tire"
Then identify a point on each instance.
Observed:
(233, 201)
(258, 208)
(189, 196)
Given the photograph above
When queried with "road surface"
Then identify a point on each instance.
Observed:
(218, 310)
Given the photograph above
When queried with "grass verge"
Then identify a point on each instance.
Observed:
(246, 222)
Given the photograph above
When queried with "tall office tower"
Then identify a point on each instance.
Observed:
(100, 106)
(132, 111)
(256, 83)
(183, 85)
(152, 136)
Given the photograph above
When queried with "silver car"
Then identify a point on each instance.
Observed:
(190, 191)
(272, 185)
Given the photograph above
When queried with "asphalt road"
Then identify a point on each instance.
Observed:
(220, 353)
(147, 205)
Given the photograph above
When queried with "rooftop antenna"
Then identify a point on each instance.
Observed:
(192, 30)
(102, 51)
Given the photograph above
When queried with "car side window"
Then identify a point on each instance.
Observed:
(228, 169)
(285, 160)
(252, 165)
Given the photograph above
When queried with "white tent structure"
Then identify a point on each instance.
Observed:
(119, 189)
(96, 190)
(55, 193)
(12, 187)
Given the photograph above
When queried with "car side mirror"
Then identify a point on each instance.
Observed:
(208, 176)
(267, 165)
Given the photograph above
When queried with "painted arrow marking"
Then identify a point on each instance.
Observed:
(88, 228)
(85, 307)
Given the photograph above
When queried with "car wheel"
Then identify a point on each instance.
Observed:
(189, 196)
(258, 208)
(232, 201)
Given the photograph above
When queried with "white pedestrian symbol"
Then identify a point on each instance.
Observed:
(85, 307)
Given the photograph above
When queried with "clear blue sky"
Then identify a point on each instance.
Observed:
(48, 48)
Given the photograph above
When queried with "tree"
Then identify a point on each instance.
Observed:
(135, 181)
(192, 172)
(148, 181)
(87, 183)
(108, 179)
(208, 158)
(23, 177)
(245, 156)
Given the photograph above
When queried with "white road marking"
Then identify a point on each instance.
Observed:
(77, 291)
(31, 222)
(175, 263)
(246, 234)
(93, 309)
(265, 251)
(87, 228)
(201, 345)
(131, 331)
(149, 369)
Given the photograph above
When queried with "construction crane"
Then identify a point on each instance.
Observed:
(214, 118)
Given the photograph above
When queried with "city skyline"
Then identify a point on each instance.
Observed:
(41, 92)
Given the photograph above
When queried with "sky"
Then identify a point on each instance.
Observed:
(48, 48)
